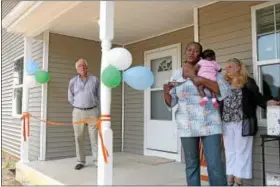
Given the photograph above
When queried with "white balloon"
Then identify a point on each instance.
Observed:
(30, 81)
(119, 57)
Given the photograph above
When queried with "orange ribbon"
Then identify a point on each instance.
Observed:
(26, 118)
(98, 127)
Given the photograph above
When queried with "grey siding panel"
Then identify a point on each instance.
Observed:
(12, 47)
(63, 52)
(7, 6)
(229, 34)
(134, 100)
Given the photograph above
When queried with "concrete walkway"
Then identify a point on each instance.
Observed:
(129, 169)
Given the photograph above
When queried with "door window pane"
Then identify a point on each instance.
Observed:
(162, 70)
(158, 109)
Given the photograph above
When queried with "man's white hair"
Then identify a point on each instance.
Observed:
(83, 60)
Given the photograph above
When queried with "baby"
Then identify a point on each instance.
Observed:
(208, 69)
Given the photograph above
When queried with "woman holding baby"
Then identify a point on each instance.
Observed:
(196, 119)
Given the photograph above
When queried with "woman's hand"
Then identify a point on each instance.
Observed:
(167, 88)
(273, 102)
(189, 71)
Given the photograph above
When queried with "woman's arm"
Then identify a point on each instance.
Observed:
(167, 96)
(221, 87)
(259, 99)
(189, 71)
(211, 85)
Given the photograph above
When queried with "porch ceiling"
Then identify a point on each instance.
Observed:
(134, 20)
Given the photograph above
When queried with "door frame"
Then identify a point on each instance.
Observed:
(148, 152)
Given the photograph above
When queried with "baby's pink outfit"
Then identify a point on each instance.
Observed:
(208, 69)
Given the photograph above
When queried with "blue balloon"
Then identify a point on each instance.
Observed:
(138, 77)
(32, 67)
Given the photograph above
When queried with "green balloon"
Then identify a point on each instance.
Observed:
(42, 77)
(111, 77)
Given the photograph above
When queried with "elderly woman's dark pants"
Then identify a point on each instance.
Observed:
(213, 154)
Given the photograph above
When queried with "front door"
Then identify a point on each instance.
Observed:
(160, 126)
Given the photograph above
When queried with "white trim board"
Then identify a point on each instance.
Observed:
(24, 157)
(196, 25)
(44, 101)
(174, 156)
(207, 4)
(14, 115)
(196, 19)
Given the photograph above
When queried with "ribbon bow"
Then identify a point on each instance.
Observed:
(26, 124)
(98, 127)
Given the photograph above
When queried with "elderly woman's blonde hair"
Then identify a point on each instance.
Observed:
(241, 78)
(83, 60)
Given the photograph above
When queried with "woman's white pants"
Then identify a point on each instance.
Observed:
(238, 150)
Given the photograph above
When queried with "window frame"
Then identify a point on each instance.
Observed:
(256, 63)
(14, 114)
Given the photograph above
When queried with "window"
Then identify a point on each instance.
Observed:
(17, 86)
(266, 22)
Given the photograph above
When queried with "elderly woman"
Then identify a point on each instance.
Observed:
(239, 121)
(197, 122)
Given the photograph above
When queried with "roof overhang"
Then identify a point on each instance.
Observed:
(134, 20)
(31, 18)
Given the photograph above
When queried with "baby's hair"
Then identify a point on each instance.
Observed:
(209, 54)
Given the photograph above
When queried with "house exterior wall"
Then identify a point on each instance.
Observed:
(63, 53)
(134, 105)
(225, 27)
(12, 48)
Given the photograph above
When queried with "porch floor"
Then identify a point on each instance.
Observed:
(129, 169)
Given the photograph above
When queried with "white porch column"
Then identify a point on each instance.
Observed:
(106, 34)
(25, 98)
(44, 101)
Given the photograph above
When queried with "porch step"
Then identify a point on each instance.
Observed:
(26, 175)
